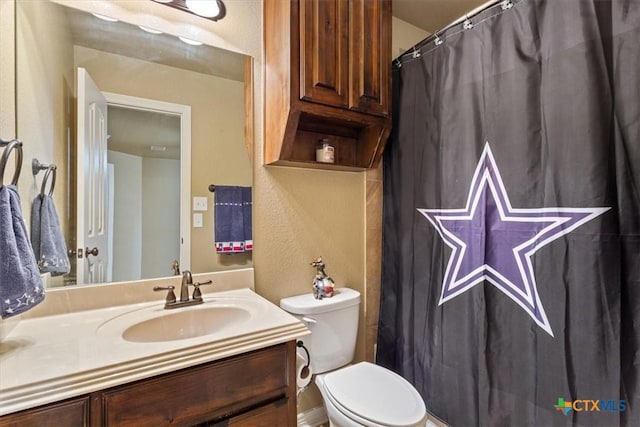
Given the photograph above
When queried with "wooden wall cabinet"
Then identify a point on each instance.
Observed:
(327, 75)
(253, 389)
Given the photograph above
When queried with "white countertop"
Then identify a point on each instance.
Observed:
(50, 358)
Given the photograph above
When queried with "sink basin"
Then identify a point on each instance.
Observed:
(216, 319)
(185, 324)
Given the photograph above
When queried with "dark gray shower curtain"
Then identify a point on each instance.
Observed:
(511, 242)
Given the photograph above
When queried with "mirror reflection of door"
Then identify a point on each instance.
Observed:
(94, 265)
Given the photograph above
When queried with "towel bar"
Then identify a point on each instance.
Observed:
(10, 146)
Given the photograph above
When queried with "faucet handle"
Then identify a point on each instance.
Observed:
(171, 297)
(197, 294)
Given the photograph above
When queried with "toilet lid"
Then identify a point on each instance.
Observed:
(374, 393)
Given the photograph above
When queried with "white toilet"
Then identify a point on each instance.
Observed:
(363, 394)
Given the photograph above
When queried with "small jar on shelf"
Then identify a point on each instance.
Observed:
(325, 152)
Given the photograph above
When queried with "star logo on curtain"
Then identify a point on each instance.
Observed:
(492, 241)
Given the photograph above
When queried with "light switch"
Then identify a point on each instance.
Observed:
(197, 220)
(200, 204)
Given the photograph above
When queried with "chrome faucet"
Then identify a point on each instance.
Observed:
(187, 280)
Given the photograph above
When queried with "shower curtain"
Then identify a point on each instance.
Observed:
(511, 230)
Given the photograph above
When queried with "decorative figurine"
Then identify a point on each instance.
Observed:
(322, 284)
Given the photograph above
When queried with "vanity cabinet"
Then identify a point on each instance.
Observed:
(328, 75)
(252, 389)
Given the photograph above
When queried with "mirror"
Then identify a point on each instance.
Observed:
(154, 84)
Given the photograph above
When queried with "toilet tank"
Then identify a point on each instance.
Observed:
(334, 326)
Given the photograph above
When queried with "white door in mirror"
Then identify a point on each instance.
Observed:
(93, 266)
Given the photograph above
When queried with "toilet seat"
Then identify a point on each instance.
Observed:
(374, 396)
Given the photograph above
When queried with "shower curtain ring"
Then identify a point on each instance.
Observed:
(506, 4)
(467, 24)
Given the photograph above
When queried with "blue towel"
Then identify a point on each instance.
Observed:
(232, 210)
(47, 240)
(21, 287)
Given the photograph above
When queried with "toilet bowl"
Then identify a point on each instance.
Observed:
(365, 394)
(362, 394)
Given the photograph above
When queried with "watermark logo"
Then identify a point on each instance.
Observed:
(562, 406)
(590, 405)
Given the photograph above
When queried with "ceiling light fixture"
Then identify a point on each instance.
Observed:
(206, 8)
(210, 9)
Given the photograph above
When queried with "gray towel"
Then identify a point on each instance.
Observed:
(20, 283)
(232, 211)
(47, 241)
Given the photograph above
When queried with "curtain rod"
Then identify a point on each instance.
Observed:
(415, 49)
(473, 12)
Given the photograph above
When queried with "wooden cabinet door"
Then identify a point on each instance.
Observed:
(370, 56)
(324, 51)
(74, 412)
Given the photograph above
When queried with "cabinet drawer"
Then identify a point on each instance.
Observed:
(73, 412)
(271, 415)
(201, 393)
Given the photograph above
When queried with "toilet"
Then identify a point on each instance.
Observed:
(361, 394)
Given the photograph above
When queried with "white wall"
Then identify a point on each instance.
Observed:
(161, 213)
(127, 221)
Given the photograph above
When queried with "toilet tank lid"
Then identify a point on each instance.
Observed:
(307, 304)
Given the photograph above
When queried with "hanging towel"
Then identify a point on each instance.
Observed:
(21, 287)
(247, 207)
(47, 241)
(232, 222)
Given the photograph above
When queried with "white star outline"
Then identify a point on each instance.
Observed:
(22, 300)
(557, 228)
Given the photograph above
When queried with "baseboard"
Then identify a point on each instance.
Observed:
(313, 417)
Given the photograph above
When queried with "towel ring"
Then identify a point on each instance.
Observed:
(10, 145)
(36, 167)
(50, 169)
